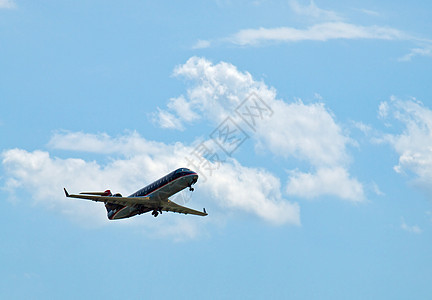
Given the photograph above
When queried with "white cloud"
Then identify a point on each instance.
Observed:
(423, 51)
(319, 32)
(375, 188)
(218, 89)
(328, 25)
(323, 182)
(369, 12)
(410, 228)
(304, 131)
(182, 110)
(313, 11)
(167, 120)
(102, 143)
(289, 130)
(307, 132)
(201, 44)
(414, 144)
(253, 190)
(362, 127)
(137, 162)
(7, 4)
(44, 177)
(383, 110)
(179, 231)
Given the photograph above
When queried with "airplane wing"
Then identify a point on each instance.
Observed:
(138, 201)
(126, 201)
(174, 207)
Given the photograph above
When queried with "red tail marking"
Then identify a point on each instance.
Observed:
(107, 193)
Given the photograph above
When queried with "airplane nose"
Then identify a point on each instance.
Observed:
(195, 178)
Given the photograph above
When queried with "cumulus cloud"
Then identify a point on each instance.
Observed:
(307, 132)
(289, 130)
(414, 144)
(44, 177)
(134, 163)
(323, 182)
(180, 111)
(253, 190)
(218, 90)
(167, 120)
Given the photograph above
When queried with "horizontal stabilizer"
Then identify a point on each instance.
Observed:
(125, 201)
(93, 193)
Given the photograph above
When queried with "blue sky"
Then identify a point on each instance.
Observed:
(321, 190)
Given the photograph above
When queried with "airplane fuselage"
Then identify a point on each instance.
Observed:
(158, 192)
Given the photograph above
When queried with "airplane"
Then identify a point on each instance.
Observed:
(153, 197)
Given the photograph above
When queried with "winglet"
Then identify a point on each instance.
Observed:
(204, 210)
(67, 194)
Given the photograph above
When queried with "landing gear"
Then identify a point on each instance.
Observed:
(156, 212)
(191, 189)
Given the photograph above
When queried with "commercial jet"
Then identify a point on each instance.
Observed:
(153, 197)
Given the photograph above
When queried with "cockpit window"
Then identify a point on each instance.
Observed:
(182, 170)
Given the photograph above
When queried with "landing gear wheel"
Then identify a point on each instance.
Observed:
(191, 189)
(155, 213)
